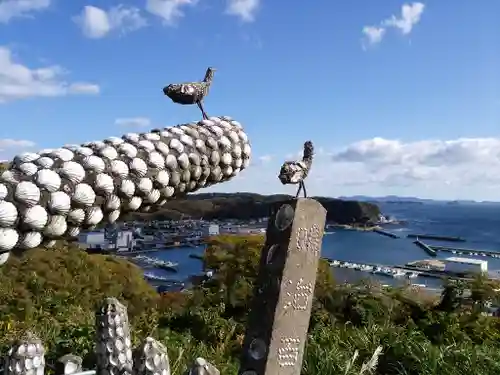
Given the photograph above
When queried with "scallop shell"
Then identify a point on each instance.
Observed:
(126, 188)
(27, 193)
(113, 216)
(62, 153)
(108, 152)
(28, 169)
(44, 162)
(144, 185)
(119, 168)
(112, 203)
(84, 195)
(4, 257)
(26, 157)
(171, 162)
(153, 196)
(73, 232)
(226, 159)
(146, 145)
(56, 226)
(104, 184)
(72, 171)
(93, 215)
(138, 167)
(8, 239)
(30, 240)
(128, 150)
(8, 214)
(114, 141)
(4, 191)
(247, 150)
(94, 163)
(84, 151)
(162, 178)
(48, 180)
(183, 161)
(167, 191)
(76, 216)
(155, 160)
(131, 137)
(162, 148)
(35, 218)
(10, 177)
(176, 145)
(134, 203)
(59, 203)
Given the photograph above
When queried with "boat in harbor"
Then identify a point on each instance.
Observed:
(152, 276)
(158, 263)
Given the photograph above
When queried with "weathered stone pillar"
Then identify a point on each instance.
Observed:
(279, 318)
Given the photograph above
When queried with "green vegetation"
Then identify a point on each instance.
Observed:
(53, 292)
(252, 206)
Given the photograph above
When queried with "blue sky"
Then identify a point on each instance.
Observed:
(398, 97)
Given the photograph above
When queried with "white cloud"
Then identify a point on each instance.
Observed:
(464, 168)
(244, 9)
(168, 10)
(136, 122)
(264, 159)
(9, 147)
(374, 34)
(18, 81)
(10, 9)
(410, 16)
(97, 23)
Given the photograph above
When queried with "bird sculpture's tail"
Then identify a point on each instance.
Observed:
(54, 193)
(308, 152)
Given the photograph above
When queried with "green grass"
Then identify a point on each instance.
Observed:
(54, 293)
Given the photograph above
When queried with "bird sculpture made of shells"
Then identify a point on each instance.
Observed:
(57, 193)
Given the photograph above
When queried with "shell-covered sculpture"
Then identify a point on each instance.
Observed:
(56, 193)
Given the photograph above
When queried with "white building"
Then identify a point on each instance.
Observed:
(465, 265)
(92, 238)
(211, 230)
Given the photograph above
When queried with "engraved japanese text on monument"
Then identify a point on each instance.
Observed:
(288, 352)
(309, 240)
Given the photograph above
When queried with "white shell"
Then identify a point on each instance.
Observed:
(30, 240)
(112, 203)
(155, 160)
(76, 216)
(243, 136)
(171, 162)
(176, 145)
(63, 153)
(152, 136)
(113, 216)
(45, 162)
(226, 159)
(48, 180)
(27, 193)
(56, 226)
(10, 177)
(233, 136)
(237, 163)
(224, 143)
(127, 188)
(187, 140)
(175, 130)
(115, 141)
(247, 151)
(108, 152)
(217, 131)
(194, 159)
(35, 218)
(162, 148)
(3, 191)
(246, 163)
(29, 169)
(128, 150)
(93, 215)
(26, 157)
(236, 151)
(183, 161)
(153, 196)
(167, 191)
(146, 145)
(72, 171)
(145, 185)
(119, 168)
(162, 178)
(8, 214)
(59, 203)
(73, 231)
(94, 163)
(104, 184)
(132, 137)
(84, 151)
(134, 203)
(84, 195)
(8, 239)
(49, 244)
(138, 167)
(97, 145)
(4, 257)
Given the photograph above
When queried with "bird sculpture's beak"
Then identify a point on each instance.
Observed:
(165, 90)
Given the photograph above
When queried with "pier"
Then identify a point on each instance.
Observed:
(436, 237)
(426, 248)
(462, 251)
(385, 233)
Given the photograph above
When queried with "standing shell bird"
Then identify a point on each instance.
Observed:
(191, 92)
(295, 172)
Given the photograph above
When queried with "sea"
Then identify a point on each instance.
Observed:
(478, 224)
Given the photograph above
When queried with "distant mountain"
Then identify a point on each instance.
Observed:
(397, 199)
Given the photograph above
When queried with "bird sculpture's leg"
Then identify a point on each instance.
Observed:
(205, 117)
(299, 190)
(304, 188)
